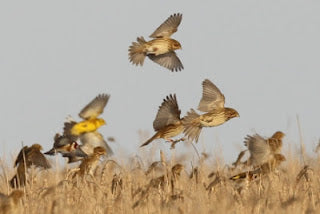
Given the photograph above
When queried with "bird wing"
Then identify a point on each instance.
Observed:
(259, 149)
(168, 27)
(20, 157)
(90, 140)
(95, 107)
(212, 97)
(35, 157)
(67, 130)
(168, 113)
(168, 60)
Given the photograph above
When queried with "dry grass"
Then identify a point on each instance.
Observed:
(170, 186)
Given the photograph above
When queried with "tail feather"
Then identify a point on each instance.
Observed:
(150, 140)
(192, 126)
(136, 51)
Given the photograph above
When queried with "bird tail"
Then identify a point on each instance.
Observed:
(155, 136)
(136, 51)
(192, 126)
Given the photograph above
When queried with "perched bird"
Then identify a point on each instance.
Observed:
(27, 157)
(262, 150)
(9, 204)
(89, 164)
(162, 48)
(167, 123)
(212, 102)
(89, 114)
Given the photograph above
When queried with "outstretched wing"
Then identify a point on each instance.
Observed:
(90, 140)
(95, 107)
(212, 98)
(168, 60)
(167, 28)
(259, 149)
(168, 113)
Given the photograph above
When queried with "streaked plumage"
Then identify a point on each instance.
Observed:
(261, 149)
(162, 48)
(89, 164)
(212, 102)
(27, 157)
(167, 123)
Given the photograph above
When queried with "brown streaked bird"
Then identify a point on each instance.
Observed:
(89, 114)
(262, 150)
(89, 164)
(161, 49)
(27, 157)
(167, 123)
(10, 204)
(212, 102)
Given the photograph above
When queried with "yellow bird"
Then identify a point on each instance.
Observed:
(89, 114)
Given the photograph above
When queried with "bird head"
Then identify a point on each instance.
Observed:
(100, 122)
(36, 146)
(231, 113)
(278, 135)
(175, 45)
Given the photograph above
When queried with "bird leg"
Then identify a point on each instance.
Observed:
(174, 142)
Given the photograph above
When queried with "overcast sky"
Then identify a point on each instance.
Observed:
(56, 56)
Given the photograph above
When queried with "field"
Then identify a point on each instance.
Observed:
(163, 184)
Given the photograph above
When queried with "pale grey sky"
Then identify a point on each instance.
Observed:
(57, 56)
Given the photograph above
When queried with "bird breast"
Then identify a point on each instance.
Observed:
(212, 119)
(158, 46)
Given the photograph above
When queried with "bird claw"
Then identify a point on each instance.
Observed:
(174, 142)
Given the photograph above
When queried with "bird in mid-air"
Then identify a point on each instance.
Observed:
(27, 157)
(265, 155)
(89, 114)
(212, 102)
(161, 49)
(167, 123)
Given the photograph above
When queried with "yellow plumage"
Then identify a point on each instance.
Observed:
(87, 126)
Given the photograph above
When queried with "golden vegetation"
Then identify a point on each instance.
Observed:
(165, 185)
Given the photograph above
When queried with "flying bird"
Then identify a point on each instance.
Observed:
(262, 150)
(263, 169)
(27, 157)
(89, 114)
(167, 123)
(212, 102)
(161, 49)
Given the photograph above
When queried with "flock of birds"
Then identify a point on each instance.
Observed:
(265, 153)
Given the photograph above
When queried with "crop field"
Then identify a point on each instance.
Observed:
(166, 183)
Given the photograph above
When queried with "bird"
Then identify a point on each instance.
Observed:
(27, 157)
(9, 204)
(212, 102)
(62, 144)
(263, 169)
(262, 150)
(167, 123)
(161, 49)
(89, 114)
(89, 164)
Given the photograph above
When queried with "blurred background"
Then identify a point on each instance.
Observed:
(56, 56)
